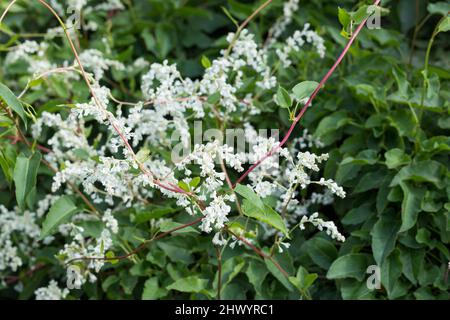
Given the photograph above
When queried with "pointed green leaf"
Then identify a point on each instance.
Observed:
(352, 265)
(304, 89)
(60, 212)
(265, 214)
(283, 99)
(189, 284)
(8, 97)
(412, 198)
(25, 173)
(384, 236)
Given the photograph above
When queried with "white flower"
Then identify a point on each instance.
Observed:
(110, 221)
(216, 213)
(333, 186)
(289, 9)
(330, 227)
(297, 41)
(51, 292)
(93, 59)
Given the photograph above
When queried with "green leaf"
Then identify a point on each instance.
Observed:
(321, 251)
(440, 7)
(152, 290)
(358, 215)
(412, 263)
(214, 98)
(395, 158)
(194, 182)
(359, 15)
(206, 63)
(256, 273)
(303, 280)
(352, 265)
(412, 198)
(250, 195)
(283, 99)
(391, 270)
(352, 289)
(304, 89)
(444, 26)
(228, 14)
(423, 171)
(278, 275)
(369, 181)
(183, 185)
(345, 20)
(25, 173)
(384, 236)
(8, 97)
(266, 215)
(330, 124)
(6, 167)
(189, 284)
(403, 120)
(169, 225)
(60, 212)
(143, 155)
(110, 255)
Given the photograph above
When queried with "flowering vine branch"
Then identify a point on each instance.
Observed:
(307, 104)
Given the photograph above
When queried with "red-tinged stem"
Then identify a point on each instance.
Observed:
(141, 246)
(311, 98)
(15, 139)
(14, 279)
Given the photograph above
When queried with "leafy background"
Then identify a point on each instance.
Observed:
(388, 148)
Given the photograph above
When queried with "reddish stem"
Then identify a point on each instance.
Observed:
(305, 107)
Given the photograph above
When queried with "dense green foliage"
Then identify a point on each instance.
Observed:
(383, 117)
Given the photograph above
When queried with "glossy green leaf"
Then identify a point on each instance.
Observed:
(304, 89)
(265, 214)
(384, 236)
(352, 265)
(410, 205)
(189, 284)
(60, 212)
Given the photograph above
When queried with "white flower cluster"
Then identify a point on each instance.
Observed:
(51, 292)
(295, 42)
(93, 59)
(21, 225)
(19, 235)
(330, 227)
(289, 9)
(333, 186)
(216, 213)
(33, 54)
(82, 247)
(108, 171)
